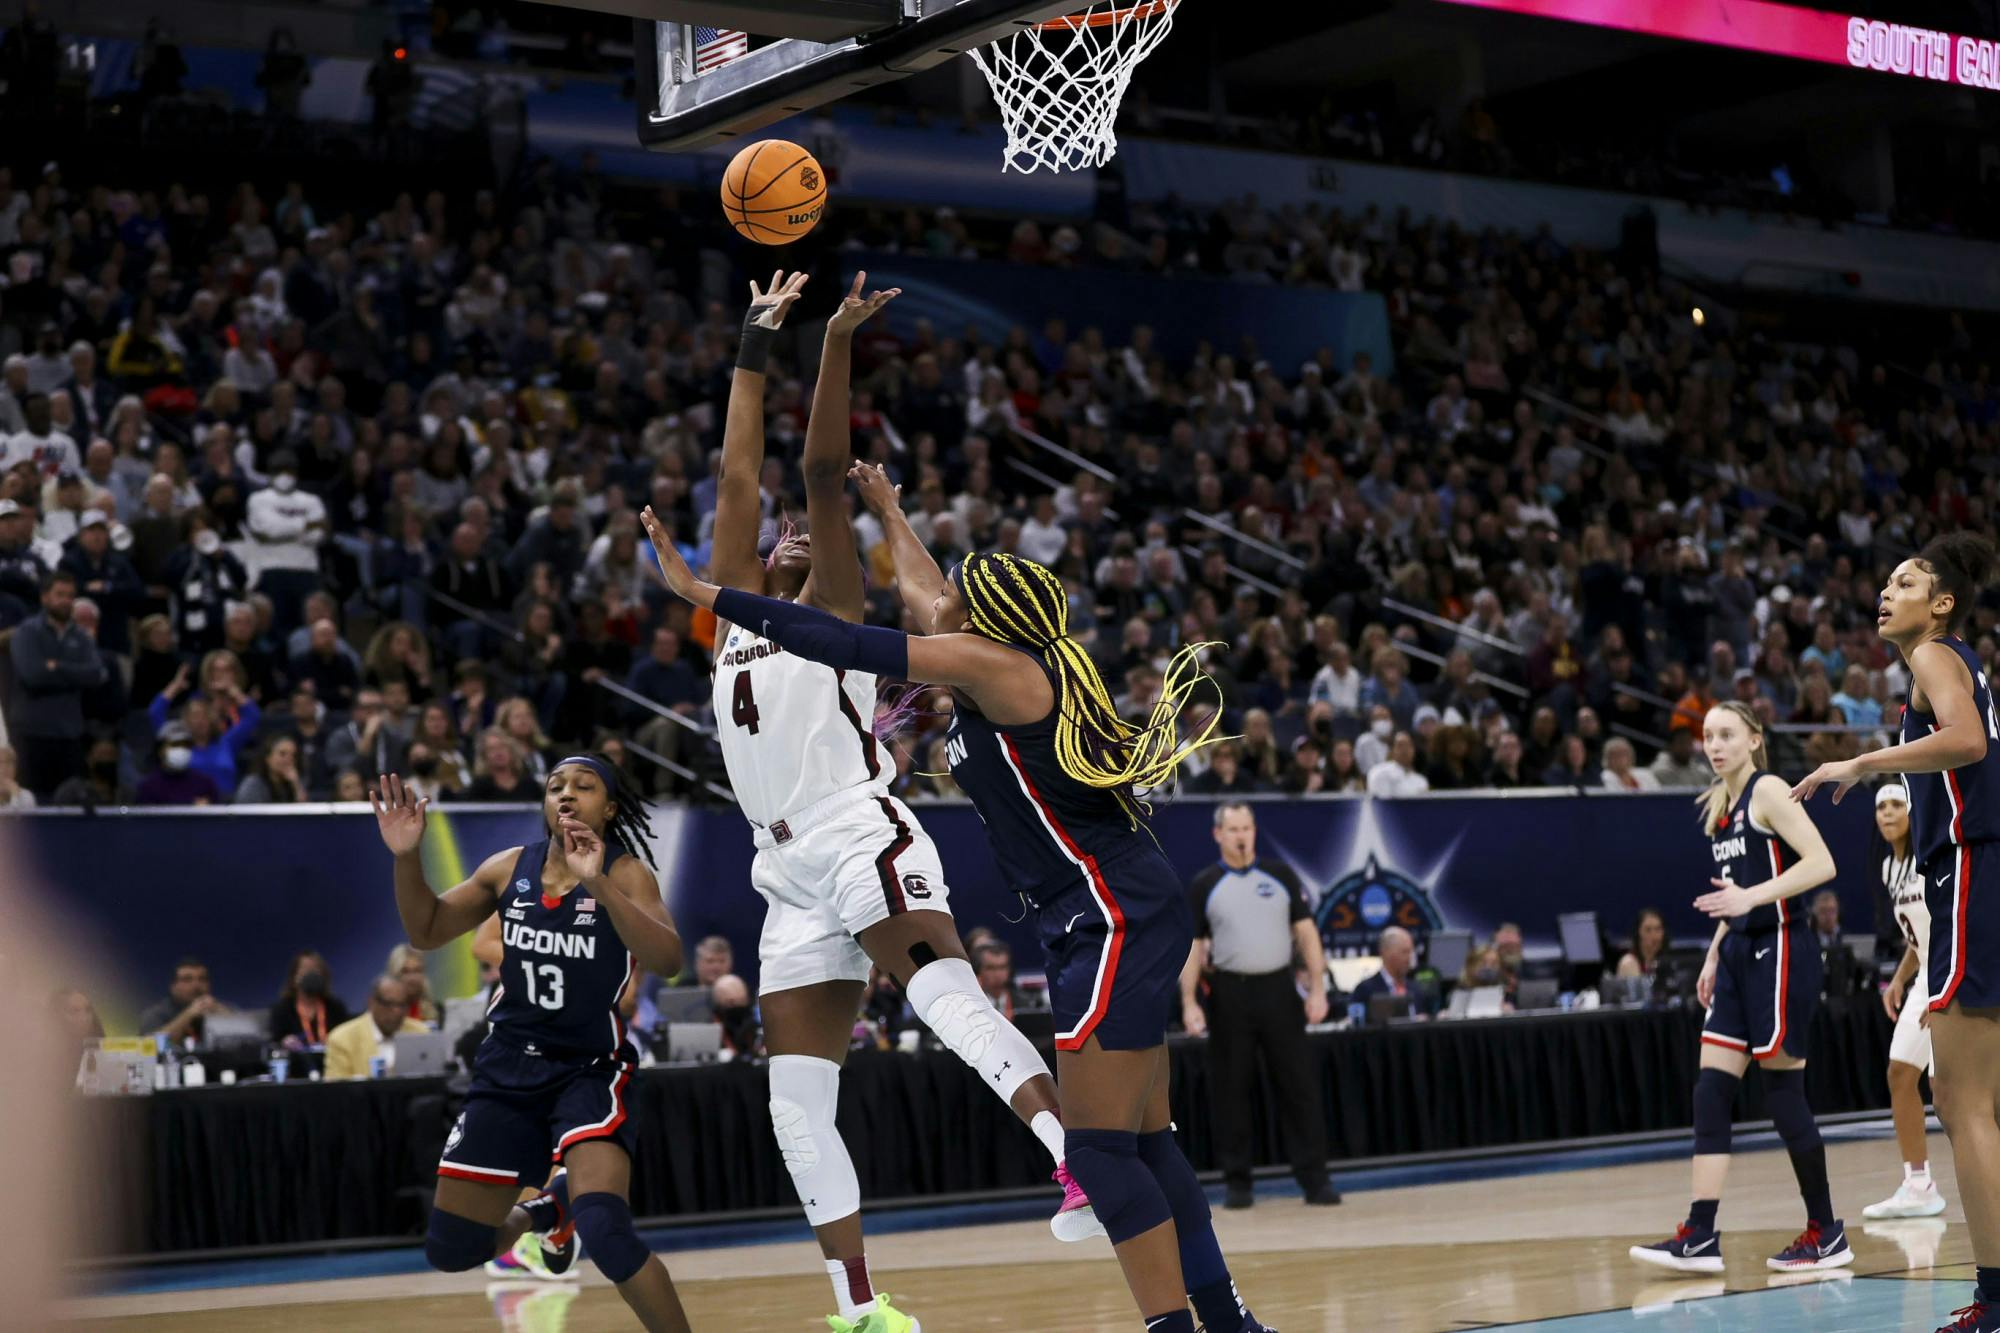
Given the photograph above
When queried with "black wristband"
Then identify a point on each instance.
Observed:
(754, 352)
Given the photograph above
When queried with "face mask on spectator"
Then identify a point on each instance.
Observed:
(176, 758)
(1486, 976)
(207, 542)
(312, 985)
(1384, 728)
(284, 483)
(105, 772)
(423, 768)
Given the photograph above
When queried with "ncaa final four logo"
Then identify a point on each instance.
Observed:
(1354, 910)
(1375, 882)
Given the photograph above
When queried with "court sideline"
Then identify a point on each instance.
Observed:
(1537, 1251)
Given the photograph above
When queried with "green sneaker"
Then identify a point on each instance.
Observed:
(884, 1318)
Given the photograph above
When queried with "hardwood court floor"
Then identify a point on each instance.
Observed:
(1431, 1259)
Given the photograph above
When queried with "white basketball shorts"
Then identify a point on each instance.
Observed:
(831, 873)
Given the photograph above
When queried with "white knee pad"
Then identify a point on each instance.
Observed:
(947, 997)
(805, 1092)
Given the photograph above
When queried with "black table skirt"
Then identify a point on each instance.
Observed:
(291, 1164)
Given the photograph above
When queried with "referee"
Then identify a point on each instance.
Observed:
(1250, 916)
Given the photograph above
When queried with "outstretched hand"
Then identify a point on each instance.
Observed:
(856, 308)
(399, 814)
(680, 580)
(1844, 773)
(877, 492)
(768, 305)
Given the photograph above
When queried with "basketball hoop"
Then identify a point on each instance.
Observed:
(1059, 83)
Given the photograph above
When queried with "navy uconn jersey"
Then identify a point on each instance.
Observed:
(1048, 831)
(1962, 805)
(1747, 853)
(564, 966)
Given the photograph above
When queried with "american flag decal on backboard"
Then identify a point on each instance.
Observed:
(716, 47)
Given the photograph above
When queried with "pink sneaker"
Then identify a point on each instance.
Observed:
(1075, 1220)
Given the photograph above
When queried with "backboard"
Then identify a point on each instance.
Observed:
(683, 105)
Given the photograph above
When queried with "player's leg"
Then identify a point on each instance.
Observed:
(1909, 1055)
(1204, 1272)
(497, 1141)
(890, 892)
(806, 1033)
(1106, 1095)
(1696, 1245)
(921, 949)
(1966, 1091)
(1232, 1064)
(600, 1181)
(470, 1223)
(1791, 975)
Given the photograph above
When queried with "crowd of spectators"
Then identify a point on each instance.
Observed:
(300, 489)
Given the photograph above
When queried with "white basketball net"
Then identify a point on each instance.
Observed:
(1059, 84)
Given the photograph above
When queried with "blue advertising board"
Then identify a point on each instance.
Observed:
(244, 891)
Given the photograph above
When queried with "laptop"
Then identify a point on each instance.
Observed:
(1447, 951)
(463, 1014)
(693, 1043)
(683, 1004)
(231, 1026)
(422, 1055)
(1382, 1008)
(1535, 993)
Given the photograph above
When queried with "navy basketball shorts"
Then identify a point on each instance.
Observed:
(524, 1111)
(1115, 943)
(1962, 889)
(1766, 988)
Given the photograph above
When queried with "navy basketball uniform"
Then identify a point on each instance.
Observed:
(1954, 824)
(1768, 977)
(1114, 917)
(555, 1067)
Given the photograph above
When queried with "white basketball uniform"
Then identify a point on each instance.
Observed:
(836, 853)
(1911, 1044)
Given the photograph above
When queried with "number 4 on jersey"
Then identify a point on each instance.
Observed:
(743, 704)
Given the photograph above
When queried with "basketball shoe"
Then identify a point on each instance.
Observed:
(1689, 1250)
(1978, 1317)
(884, 1318)
(1917, 1196)
(1076, 1220)
(1814, 1249)
(523, 1263)
(557, 1247)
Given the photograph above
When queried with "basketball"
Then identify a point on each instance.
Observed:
(774, 192)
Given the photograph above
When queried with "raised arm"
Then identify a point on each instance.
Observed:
(998, 679)
(1940, 679)
(432, 920)
(836, 565)
(919, 581)
(739, 512)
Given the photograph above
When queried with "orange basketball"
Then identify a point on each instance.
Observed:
(773, 192)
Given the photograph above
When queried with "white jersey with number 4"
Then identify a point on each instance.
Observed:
(794, 733)
(1906, 891)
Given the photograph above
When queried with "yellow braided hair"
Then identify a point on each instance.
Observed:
(1022, 603)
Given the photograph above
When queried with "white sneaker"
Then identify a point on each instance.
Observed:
(1909, 1200)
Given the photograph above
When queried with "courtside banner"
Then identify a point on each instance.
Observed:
(1855, 41)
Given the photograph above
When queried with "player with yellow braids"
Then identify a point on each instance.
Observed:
(1019, 602)
(1055, 773)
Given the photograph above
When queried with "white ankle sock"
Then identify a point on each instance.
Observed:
(851, 1286)
(1918, 1175)
(1050, 1131)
